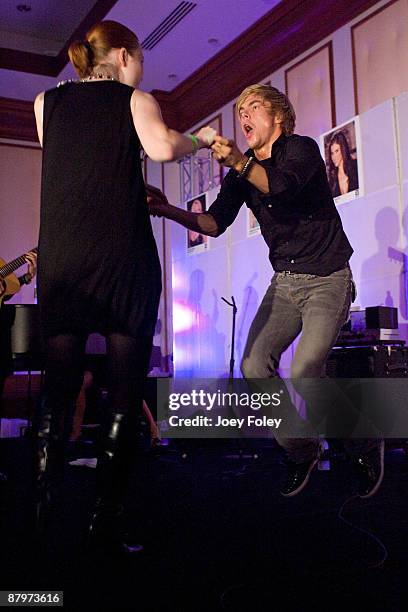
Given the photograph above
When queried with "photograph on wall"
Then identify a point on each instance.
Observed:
(253, 228)
(197, 242)
(341, 150)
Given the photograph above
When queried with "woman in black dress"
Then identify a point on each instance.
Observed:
(99, 269)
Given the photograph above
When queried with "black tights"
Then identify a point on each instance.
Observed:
(127, 366)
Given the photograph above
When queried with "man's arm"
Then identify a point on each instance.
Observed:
(226, 152)
(203, 223)
(302, 161)
(219, 216)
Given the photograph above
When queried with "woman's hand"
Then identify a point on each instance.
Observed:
(206, 136)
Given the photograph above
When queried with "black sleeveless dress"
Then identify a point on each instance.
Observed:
(99, 270)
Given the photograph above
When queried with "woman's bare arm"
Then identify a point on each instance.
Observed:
(160, 142)
(38, 111)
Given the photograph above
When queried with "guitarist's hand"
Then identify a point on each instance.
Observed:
(31, 259)
(2, 286)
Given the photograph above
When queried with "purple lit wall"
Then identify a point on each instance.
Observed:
(236, 264)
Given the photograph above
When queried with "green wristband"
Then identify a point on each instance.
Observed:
(195, 143)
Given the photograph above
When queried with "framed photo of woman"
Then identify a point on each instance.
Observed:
(196, 242)
(341, 150)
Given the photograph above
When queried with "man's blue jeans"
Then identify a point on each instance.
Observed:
(315, 307)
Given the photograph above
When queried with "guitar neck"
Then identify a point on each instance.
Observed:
(13, 265)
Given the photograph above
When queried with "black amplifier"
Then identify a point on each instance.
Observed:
(371, 361)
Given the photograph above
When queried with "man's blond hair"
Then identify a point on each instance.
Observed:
(279, 103)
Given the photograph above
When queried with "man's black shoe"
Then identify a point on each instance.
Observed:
(298, 475)
(370, 468)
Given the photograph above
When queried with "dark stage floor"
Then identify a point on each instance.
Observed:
(217, 535)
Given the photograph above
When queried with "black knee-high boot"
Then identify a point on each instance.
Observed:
(52, 429)
(115, 465)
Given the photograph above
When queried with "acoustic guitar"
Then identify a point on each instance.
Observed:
(10, 284)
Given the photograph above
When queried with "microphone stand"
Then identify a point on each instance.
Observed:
(241, 445)
(234, 315)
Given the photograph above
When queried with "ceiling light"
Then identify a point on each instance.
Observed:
(213, 41)
(173, 76)
(23, 8)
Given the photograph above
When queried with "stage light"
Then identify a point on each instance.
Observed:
(183, 318)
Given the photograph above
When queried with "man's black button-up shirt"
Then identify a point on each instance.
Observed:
(298, 218)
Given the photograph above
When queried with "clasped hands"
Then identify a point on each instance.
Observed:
(224, 151)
